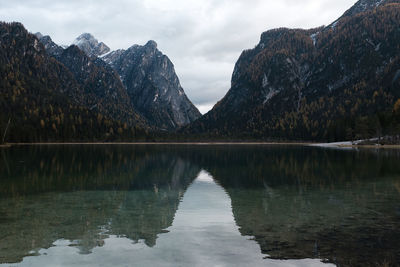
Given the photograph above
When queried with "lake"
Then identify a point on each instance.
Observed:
(204, 205)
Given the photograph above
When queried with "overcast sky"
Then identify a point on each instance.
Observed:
(203, 38)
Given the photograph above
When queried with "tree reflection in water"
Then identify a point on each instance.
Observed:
(296, 202)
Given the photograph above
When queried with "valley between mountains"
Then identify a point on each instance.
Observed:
(332, 83)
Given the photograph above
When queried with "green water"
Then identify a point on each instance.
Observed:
(198, 206)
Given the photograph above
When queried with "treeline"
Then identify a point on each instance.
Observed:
(44, 117)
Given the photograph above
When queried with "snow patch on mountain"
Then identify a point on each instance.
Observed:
(90, 45)
(314, 38)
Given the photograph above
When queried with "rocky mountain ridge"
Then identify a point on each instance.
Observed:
(153, 85)
(90, 45)
(148, 76)
(103, 87)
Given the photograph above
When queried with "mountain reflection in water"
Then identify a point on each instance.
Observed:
(198, 205)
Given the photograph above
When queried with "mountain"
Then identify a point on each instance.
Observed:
(104, 90)
(51, 48)
(90, 45)
(365, 5)
(103, 87)
(149, 82)
(46, 101)
(153, 86)
(330, 83)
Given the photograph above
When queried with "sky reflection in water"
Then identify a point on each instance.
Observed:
(200, 206)
(203, 233)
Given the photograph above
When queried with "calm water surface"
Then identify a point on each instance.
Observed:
(198, 206)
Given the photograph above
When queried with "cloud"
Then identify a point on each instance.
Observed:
(203, 38)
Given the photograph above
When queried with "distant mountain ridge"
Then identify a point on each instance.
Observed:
(365, 5)
(90, 45)
(148, 76)
(330, 83)
(153, 85)
(102, 85)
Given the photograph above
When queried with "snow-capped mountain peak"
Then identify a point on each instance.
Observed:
(90, 45)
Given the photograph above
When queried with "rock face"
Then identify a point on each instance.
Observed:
(153, 86)
(103, 89)
(102, 85)
(365, 5)
(88, 44)
(140, 79)
(52, 48)
(318, 84)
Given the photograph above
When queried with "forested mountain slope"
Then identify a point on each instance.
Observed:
(329, 83)
(45, 101)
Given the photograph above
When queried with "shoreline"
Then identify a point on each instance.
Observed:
(6, 145)
(155, 143)
(338, 145)
(371, 146)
